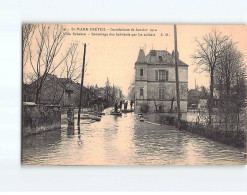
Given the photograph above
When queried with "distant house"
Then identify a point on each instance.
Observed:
(155, 82)
(193, 98)
(57, 91)
(197, 99)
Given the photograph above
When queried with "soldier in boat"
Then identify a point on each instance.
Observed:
(125, 104)
(116, 106)
(131, 104)
(120, 104)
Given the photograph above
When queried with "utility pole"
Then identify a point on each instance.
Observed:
(82, 78)
(177, 79)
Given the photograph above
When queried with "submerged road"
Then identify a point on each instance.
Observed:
(125, 141)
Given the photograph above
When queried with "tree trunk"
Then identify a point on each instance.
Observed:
(37, 95)
(237, 121)
(172, 104)
(155, 105)
(211, 96)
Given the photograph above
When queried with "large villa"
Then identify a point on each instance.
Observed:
(155, 82)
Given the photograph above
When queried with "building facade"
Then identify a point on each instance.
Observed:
(155, 82)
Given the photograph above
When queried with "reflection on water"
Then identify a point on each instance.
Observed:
(125, 141)
(71, 130)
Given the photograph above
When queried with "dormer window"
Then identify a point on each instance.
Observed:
(141, 72)
(160, 58)
(153, 53)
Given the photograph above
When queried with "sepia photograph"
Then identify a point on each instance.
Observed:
(133, 94)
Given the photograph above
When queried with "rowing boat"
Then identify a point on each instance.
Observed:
(116, 113)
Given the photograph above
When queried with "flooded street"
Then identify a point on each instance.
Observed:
(125, 141)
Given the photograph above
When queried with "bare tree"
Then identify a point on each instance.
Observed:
(239, 96)
(207, 56)
(44, 52)
(27, 35)
(71, 62)
(154, 97)
(229, 76)
(70, 70)
(229, 65)
(172, 96)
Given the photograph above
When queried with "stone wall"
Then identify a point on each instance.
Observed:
(40, 118)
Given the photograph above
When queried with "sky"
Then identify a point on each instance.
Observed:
(115, 56)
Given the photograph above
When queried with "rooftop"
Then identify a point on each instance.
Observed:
(158, 57)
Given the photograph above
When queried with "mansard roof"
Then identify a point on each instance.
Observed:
(158, 57)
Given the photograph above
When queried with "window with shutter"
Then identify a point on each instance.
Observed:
(162, 75)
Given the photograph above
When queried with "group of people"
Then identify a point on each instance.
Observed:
(97, 107)
(119, 104)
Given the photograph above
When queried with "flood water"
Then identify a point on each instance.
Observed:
(125, 141)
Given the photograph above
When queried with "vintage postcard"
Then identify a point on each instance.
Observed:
(119, 94)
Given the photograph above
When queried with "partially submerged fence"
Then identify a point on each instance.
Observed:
(215, 132)
(40, 118)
